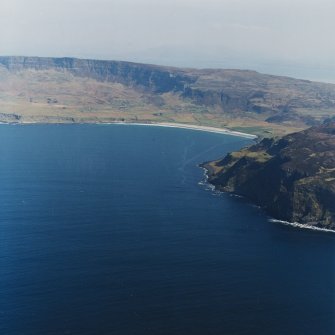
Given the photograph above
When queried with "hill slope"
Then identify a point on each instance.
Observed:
(292, 178)
(34, 89)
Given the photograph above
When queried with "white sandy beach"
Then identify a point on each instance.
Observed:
(192, 127)
(158, 124)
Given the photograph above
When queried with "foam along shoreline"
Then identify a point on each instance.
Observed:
(302, 226)
(191, 127)
(212, 188)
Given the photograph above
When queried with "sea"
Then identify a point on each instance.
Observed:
(112, 229)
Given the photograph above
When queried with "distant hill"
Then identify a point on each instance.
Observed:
(34, 89)
(292, 178)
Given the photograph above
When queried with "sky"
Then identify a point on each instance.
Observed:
(286, 37)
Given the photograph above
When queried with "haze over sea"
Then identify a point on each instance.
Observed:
(105, 229)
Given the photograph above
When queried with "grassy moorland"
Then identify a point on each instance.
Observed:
(70, 90)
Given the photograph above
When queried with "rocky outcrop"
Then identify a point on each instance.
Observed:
(9, 118)
(292, 178)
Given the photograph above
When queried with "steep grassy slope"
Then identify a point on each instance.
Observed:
(293, 178)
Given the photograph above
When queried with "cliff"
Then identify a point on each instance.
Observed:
(233, 98)
(155, 78)
(292, 178)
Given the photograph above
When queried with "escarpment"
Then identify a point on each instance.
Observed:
(231, 98)
(156, 78)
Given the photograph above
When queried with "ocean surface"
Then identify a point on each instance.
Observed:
(107, 229)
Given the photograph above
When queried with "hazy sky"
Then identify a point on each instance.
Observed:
(293, 37)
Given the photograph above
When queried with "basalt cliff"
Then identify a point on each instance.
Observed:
(37, 89)
(292, 178)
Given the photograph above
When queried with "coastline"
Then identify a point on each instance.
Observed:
(224, 131)
(208, 129)
(302, 226)
(212, 188)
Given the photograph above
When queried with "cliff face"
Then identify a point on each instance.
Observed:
(155, 78)
(230, 93)
(292, 178)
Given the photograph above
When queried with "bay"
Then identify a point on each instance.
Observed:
(107, 229)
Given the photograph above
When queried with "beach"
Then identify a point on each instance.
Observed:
(192, 127)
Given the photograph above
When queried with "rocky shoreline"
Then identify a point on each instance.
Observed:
(292, 179)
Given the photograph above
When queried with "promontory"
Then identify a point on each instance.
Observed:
(292, 178)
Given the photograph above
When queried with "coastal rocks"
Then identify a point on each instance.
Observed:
(9, 118)
(292, 178)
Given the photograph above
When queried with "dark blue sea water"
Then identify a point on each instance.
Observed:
(104, 229)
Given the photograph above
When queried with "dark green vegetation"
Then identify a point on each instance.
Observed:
(49, 90)
(293, 178)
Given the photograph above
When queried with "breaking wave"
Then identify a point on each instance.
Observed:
(208, 186)
(302, 226)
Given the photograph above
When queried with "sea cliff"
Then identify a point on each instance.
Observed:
(292, 178)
